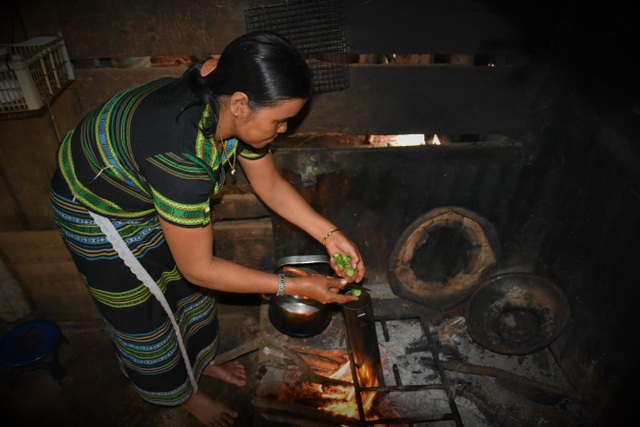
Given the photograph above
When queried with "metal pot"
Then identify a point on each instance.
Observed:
(517, 313)
(296, 315)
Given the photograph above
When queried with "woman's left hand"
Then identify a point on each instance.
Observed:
(339, 243)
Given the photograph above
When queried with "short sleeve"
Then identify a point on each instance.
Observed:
(181, 189)
(247, 152)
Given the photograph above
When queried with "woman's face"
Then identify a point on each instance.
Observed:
(260, 127)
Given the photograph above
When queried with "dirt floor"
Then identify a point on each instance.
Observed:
(95, 393)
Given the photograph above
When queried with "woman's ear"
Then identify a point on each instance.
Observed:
(239, 105)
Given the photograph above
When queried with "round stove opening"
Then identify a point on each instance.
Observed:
(445, 253)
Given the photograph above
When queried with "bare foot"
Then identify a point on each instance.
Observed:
(210, 412)
(231, 372)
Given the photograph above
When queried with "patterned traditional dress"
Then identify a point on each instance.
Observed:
(139, 156)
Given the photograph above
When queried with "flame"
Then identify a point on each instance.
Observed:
(343, 397)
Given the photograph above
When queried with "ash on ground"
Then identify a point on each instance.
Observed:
(489, 389)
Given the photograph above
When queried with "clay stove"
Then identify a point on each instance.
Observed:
(430, 373)
(393, 377)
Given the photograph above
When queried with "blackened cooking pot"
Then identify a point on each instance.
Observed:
(296, 315)
(517, 313)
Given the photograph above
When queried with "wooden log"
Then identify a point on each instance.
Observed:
(321, 363)
(307, 374)
(338, 355)
(510, 378)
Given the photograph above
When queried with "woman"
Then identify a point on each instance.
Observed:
(131, 199)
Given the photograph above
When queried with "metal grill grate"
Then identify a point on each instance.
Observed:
(316, 28)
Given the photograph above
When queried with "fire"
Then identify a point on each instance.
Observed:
(343, 398)
(435, 140)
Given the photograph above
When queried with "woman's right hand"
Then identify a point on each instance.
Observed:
(321, 288)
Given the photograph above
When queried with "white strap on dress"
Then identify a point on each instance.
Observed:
(138, 270)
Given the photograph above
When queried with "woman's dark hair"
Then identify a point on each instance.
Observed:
(262, 64)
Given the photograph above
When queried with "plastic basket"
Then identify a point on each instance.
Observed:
(32, 73)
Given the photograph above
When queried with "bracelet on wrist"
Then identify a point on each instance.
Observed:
(282, 282)
(324, 241)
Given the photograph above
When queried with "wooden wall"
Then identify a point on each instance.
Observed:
(121, 28)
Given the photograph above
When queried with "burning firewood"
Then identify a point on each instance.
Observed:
(308, 375)
(340, 355)
(321, 361)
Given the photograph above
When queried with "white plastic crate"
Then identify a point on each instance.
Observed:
(35, 71)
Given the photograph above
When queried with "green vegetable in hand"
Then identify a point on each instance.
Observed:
(356, 292)
(344, 262)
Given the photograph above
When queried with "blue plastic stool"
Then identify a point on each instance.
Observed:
(32, 345)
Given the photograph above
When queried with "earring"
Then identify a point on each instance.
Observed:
(236, 115)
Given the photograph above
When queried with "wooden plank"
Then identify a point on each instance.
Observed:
(11, 214)
(238, 206)
(24, 19)
(95, 86)
(78, 307)
(33, 247)
(27, 161)
(56, 290)
(49, 279)
(121, 28)
(28, 149)
(249, 243)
